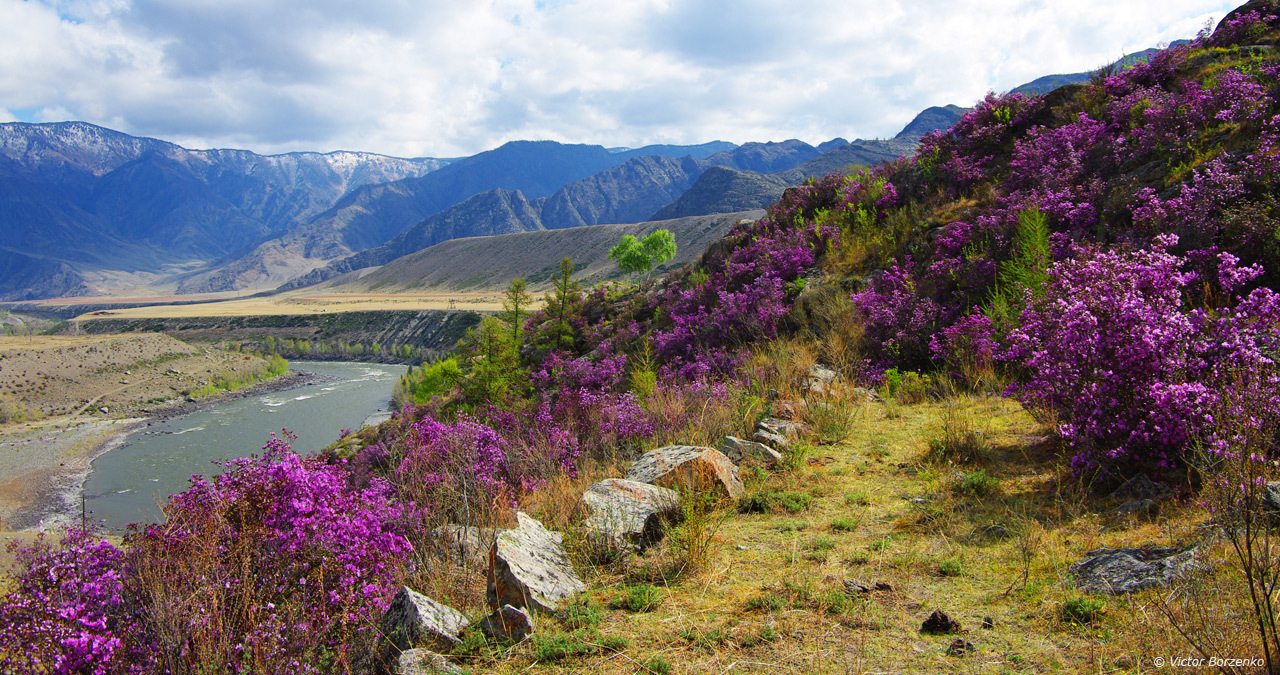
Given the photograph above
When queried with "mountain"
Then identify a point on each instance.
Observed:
(1046, 84)
(723, 190)
(106, 204)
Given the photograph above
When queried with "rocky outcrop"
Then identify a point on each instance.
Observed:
(414, 619)
(629, 512)
(749, 453)
(507, 624)
(528, 567)
(688, 467)
(1125, 570)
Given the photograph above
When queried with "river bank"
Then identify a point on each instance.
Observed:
(43, 465)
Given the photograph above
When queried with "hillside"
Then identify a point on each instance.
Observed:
(490, 263)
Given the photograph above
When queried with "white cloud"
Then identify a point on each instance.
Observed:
(445, 78)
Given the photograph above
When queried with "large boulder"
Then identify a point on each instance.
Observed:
(749, 453)
(528, 567)
(626, 511)
(413, 619)
(688, 467)
(784, 428)
(1125, 570)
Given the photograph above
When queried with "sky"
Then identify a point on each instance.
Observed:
(428, 78)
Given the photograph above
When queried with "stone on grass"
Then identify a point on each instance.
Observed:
(528, 567)
(770, 439)
(507, 624)
(940, 623)
(783, 428)
(858, 587)
(1125, 570)
(688, 467)
(413, 619)
(425, 662)
(820, 379)
(749, 453)
(960, 647)
(630, 512)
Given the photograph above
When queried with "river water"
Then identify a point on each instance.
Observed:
(126, 483)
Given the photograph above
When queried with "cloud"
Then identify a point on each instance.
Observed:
(436, 78)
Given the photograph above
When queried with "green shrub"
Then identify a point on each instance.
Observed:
(822, 544)
(551, 647)
(770, 500)
(857, 498)
(845, 524)
(1082, 610)
(657, 665)
(979, 484)
(640, 598)
(769, 602)
(950, 568)
(580, 615)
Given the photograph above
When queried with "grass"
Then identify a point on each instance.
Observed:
(768, 595)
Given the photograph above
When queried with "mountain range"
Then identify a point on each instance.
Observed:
(85, 210)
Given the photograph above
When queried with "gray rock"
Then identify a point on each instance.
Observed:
(771, 439)
(507, 624)
(866, 394)
(628, 511)
(425, 662)
(779, 427)
(820, 379)
(960, 647)
(414, 619)
(528, 567)
(1271, 498)
(1125, 570)
(749, 453)
(688, 467)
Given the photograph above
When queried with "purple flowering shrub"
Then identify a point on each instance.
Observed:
(278, 565)
(1127, 373)
(69, 611)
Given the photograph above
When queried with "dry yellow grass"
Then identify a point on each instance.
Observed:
(308, 303)
(773, 599)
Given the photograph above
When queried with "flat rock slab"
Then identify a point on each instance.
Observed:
(1125, 570)
(749, 453)
(629, 511)
(528, 567)
(413, 619)
(1141, 487)
(688, 467)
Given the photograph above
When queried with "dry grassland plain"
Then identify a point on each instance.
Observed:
(322, 303)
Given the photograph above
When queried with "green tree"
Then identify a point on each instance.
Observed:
(558, 332)
(515, 307)
(639, 255)
(492, 364)
(1025, 273)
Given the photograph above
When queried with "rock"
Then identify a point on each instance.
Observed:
(425, 662)
(775, 440)
(866, 394)
(1271, 498)
(988, 623)
(960, 647)
(104, 410)
(857, 587)
(1125, 570)
(1141, 487)
(820, 379)
(785, 410)
(507, 624)
(464, 544)
(940, 623)
(689, 467)
(749, 453)
(414, 619)
(783, 428)
(629, 511)
(529, 568)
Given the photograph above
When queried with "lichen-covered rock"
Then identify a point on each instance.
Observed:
(413, 619)
(770, 439)
(688, 467)
(627, 511)
(528, 567)
(425, 662)
(749, 453)
(1125, 570)
(507, 624)
(789, 430)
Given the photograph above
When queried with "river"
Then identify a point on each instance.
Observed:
(126, 483)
